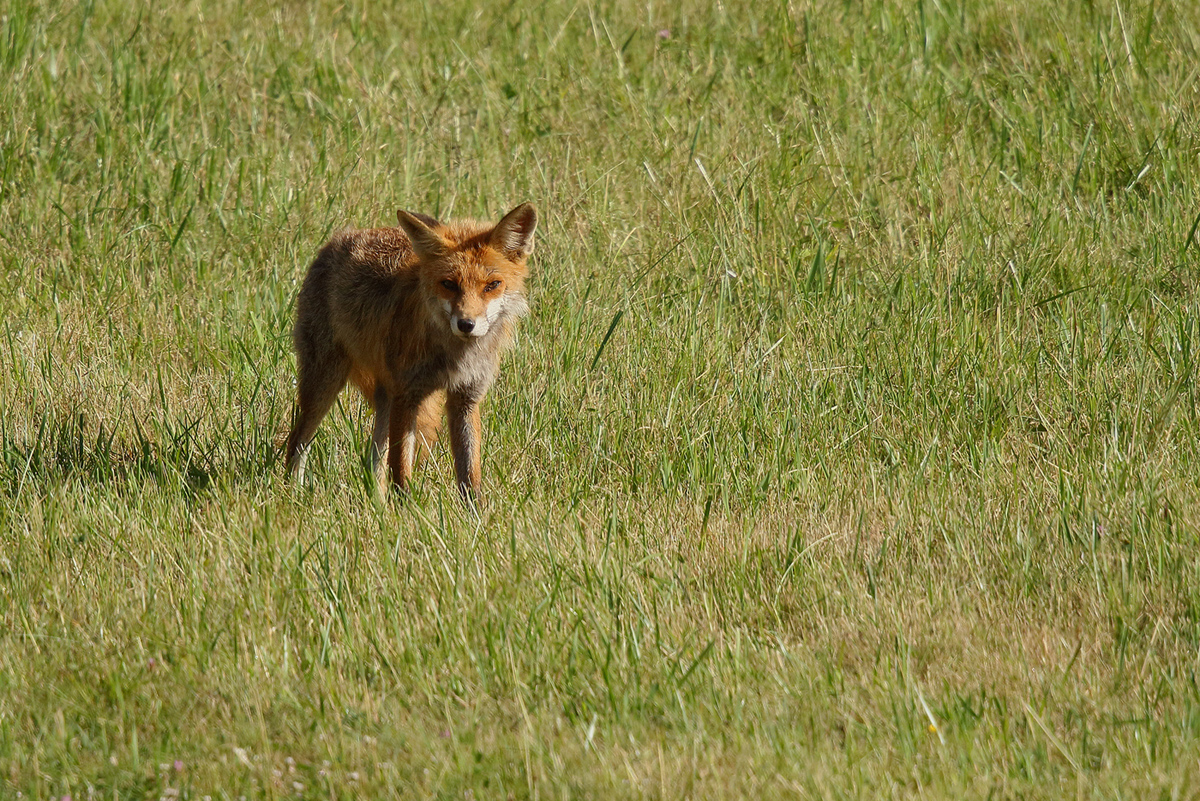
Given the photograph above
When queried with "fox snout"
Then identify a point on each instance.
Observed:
(465, 326)
(471, 310)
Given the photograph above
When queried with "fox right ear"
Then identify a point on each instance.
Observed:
(514, 233)
(425, 240)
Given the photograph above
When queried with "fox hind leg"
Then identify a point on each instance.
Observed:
(322, 374)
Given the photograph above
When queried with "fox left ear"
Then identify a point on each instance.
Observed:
(425, 241)
(514, 234)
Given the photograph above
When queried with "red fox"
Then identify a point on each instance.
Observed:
(417, 318)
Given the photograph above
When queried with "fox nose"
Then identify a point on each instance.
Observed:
(466, 326)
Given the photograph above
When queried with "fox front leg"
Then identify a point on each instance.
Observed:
(379, 438)
(466, 435)
(403, 436)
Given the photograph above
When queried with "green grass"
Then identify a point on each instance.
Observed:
(851, 449)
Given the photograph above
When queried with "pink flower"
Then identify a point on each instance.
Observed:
(665, 33)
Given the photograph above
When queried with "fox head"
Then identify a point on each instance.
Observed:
(472, 275)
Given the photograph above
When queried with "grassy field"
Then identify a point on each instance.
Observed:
(851, 449)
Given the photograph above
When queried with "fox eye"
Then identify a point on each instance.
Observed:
(492, 287)
(448, 284)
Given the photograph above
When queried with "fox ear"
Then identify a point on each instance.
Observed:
(425, 240)
(514, 234)
(425, 218)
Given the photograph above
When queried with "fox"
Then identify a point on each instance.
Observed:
(416, 317)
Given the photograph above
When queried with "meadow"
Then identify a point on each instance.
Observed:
(851, 448)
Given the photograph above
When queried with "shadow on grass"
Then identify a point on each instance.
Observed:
(70, 447)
